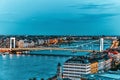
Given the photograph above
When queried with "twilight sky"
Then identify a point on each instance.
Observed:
(59, 17)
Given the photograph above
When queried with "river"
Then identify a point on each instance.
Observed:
(24, 67)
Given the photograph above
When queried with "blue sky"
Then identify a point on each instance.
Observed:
(60, 17)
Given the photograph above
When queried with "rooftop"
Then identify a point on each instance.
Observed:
(89, 58)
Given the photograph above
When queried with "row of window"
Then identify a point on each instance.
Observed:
(72, 76)
(78, 67)
(76, 71)
(65, 73)
(77, 64)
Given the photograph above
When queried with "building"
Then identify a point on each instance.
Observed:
(20, 43)
(59, 72)
(94, 67)
(108, 64)
(40, 41)
(58, 75)
(76, 67)
(115, 44)
(117, 57)
(101, 65)
(53, 41)
(25, 44)
(114, 54)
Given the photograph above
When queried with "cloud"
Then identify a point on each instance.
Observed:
(89, 18)
(95, 6)
(98, 16)
(92, 6)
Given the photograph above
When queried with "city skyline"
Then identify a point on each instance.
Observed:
(59, 39)
(25, 17)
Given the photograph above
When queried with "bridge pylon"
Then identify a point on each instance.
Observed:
(12, 42)
(101, 44)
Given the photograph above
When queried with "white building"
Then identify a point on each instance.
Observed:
(41, 41)
(25, 44)
(75, 69)
(101, 65)
(108, 63)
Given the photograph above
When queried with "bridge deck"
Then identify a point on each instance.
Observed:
(42, 48)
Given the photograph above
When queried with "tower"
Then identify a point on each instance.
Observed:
(12, 42)
(59, 72)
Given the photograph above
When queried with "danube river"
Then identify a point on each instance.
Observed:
(24, 67)
(21, 67)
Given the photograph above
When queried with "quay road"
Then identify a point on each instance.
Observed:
(41, 48)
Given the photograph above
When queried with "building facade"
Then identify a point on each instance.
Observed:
(76, 67)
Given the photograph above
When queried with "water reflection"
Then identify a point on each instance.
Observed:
(11, 56)
(3, 56)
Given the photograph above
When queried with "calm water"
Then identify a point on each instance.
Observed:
(20, 67)
(23, 67)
